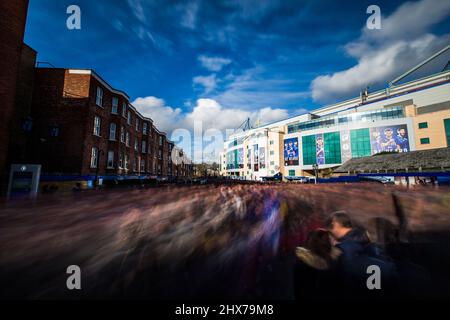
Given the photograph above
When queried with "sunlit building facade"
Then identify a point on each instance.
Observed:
(411, 116)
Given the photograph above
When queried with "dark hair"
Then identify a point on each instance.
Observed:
(319, 243)
(342, 218)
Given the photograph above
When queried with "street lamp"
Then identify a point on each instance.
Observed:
(316, 172)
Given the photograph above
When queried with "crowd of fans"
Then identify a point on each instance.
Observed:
(242, 241)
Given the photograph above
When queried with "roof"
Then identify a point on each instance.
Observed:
(422, 160)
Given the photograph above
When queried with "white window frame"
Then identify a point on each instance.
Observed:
(94, 157)
(112, 132)
(99, 97)
(144, 128)
(97, 126)
(136, 144)
(127, 161)
(122, 134)
(110, 160)
(129, 117)
(114, 105)
(124, 109)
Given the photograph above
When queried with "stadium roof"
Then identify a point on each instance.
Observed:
(414, 161)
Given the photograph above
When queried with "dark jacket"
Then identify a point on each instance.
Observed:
(357, 254)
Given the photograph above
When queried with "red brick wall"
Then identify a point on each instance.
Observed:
(69, 100)
(22, 107)
(56, 104)
(12, 25)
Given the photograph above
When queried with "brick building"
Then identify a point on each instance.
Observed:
(12, 26)
(84, 128)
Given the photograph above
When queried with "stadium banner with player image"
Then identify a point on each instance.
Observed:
(249, 159)
(240, 156)
(262, 157)
(291, 152)
(255, 158)
(320, 150)
(346, 146)
(389, 139)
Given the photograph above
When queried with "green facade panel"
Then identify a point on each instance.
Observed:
(360, 142)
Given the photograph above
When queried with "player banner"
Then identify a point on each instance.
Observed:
(291, 151)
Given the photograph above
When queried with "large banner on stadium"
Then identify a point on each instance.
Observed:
(346, 147)
(255, 158)
(291, 152)
(389, 139)
(320, 149)
(262, 157)
(240, 156)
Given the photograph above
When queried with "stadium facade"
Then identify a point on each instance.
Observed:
(402, 118)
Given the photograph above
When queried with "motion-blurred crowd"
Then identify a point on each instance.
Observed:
(252, 241)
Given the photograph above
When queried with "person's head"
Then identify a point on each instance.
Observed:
(401, 132)
(319, 243)
(319, 142)
(388, 132)
(339, 224)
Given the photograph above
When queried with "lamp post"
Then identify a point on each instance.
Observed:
(316, 172)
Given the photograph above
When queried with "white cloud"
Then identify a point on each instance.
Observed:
(208, 114)
(209, 83)
(189, 16)
(213, 63)
(165, 117)
(257, 87)
(138, 10)
(384, 54)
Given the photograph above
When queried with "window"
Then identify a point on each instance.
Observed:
(129, 117)
(97, 124)
(127, 161)
(121, 160)
(144, 128)
(142, 165)
(110, 162)
(99, 97)
(309, 149)
(271, 142)
(423, 125)
(127, 139)
(272, 163)
(144, 146)
(136, 144)
(159, 154)
(115, 105)
(332, 145)
(137, 124)
(360, 143)
(112, 131)
(124, 109)
(424, 140)
(122, 134)
(160, 140)
(447, 130)
(135, 165)
(272, 153)
(94, 157)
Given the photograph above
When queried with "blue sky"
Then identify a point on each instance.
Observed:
(223, 61)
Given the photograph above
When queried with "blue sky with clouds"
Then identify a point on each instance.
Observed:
(223, 61)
